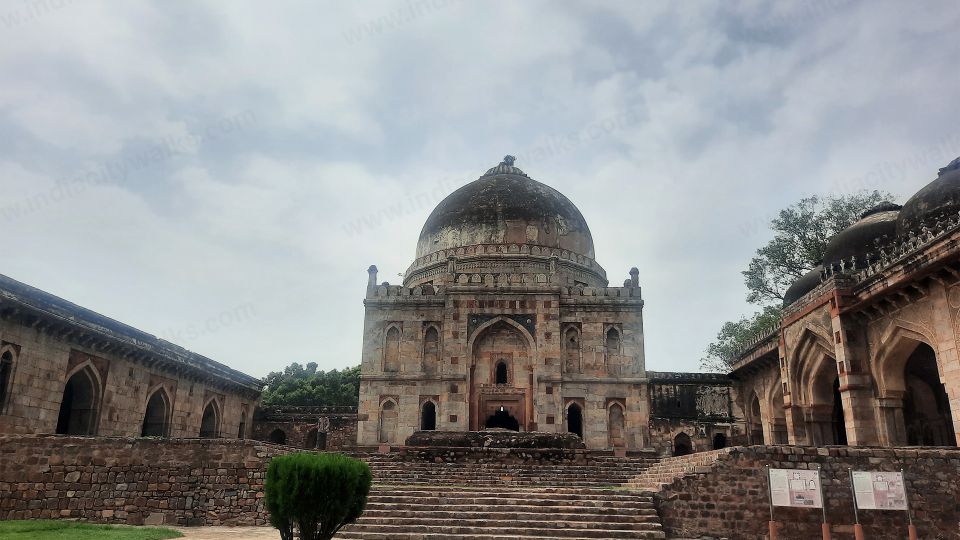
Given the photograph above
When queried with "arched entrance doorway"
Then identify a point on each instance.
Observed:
(502, 419)
(575, 420)
(837, 423)
(719, 441)
(682, 445)
(80, 403)
(155, 420)
(278, 436)
(756, 421)
(389, 416)
(428, 417)
(501, 375)
(316, 440)
(210, 422)
(926, 406)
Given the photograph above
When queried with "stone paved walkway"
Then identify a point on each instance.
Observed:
(229, 533)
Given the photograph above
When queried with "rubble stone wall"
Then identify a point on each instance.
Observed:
(134, 481)
(730, 501)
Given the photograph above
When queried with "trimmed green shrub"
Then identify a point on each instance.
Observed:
(319, 493)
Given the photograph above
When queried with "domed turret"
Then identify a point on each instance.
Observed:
(857, 240)
(942, 196)
(802, 286)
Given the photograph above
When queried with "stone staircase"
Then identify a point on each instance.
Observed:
(423, 500)
(653, 478)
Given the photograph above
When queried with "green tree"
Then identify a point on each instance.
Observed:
(801, 233)
(319, 493)
(305, 386)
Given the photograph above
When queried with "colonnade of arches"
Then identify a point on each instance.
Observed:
(80, 405)
(903, 402)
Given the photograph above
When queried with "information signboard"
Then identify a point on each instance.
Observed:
(879, 490)
(798, 488)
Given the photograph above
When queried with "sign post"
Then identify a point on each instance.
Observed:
(857, 528)
(911, 530)
(824, 527)
(771, 525)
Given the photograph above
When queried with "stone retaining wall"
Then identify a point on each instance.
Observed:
(134, 481)
(730, 501)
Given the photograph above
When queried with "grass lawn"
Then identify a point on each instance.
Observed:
(71, 530)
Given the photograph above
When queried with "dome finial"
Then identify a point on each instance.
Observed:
(509, 160)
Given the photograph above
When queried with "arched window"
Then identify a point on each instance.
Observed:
(391, 351)
(575, 420)
(80, 404)
(571, 350)
(613, 341)
(6, 370)
(242, 431)
(428, 417)
(615, 426)
(501, 373)
(682, 445)
(278, 436)
(210, 423)
(388, 421)
(156, 419)
(431, 350)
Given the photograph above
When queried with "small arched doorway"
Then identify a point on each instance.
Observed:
(156, 418)
(388, 421)
(838, 423)
(615, 426)
(316, 440)
(682, 445)
(575, 420)
(719, 441)
(210, 423)
(502, 419)
(78, 408)
(428, 416)
(756, 422)
(278, 436)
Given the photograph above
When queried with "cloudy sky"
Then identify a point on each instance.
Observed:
(221, 174)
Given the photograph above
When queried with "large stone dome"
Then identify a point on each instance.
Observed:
(857, 240)
(505, 206)
(940, 197)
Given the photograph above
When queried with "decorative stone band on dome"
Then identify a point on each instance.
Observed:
(885, 206)
(506, 167)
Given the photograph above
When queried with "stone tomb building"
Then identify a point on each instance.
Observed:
(505, 319)
(867, 352)
(67, 370)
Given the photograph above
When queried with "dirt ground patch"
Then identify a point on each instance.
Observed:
(229, 533)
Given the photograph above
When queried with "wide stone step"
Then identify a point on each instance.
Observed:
(528, 521)
(567, 512)
(372, 535)
(421, 530)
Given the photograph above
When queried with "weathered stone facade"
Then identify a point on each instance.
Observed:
(692, 412)
(504, 319)
(65, 369)
(866, 354)
(310, 428)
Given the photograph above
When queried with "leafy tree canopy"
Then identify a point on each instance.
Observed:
(305, 386)
(801, 233)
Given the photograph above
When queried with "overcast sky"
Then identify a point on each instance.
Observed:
(221, 174)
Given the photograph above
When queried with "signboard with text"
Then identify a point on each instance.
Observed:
(879, 490)
(795, 488)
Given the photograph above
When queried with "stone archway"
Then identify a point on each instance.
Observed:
(156, 419)
(501, 375)
(915, 406)
(80, 404)
(575, 420)
(682, 445)
(278, 436)
(428, 416)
